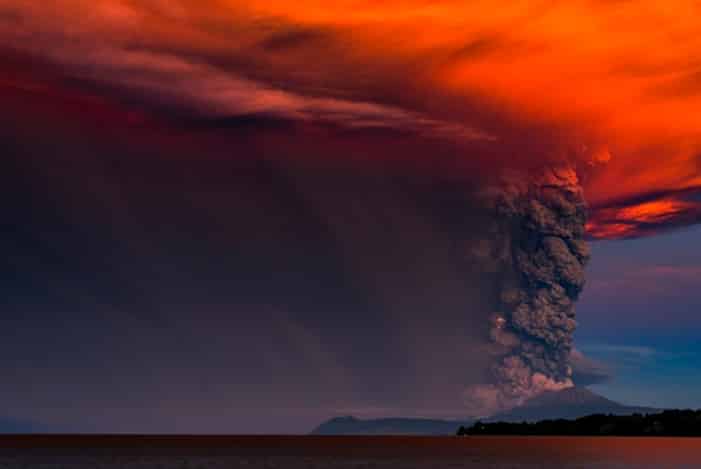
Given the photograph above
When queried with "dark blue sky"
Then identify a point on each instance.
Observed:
(640, 315)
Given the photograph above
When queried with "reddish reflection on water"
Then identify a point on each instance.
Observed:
(297, 452)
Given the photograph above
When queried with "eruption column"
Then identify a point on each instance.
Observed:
(543, 254)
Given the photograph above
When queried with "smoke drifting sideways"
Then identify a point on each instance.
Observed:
(309, 290)
(539, 254)
(363, 286)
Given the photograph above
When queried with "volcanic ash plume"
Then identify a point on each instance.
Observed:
(540, 257)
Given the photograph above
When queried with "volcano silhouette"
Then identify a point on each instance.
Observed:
(570, 403)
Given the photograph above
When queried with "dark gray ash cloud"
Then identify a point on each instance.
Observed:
(539, 252)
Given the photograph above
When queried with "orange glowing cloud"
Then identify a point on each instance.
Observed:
(613, 87)
(643, 218)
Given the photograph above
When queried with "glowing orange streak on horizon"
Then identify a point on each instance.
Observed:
(624, 222)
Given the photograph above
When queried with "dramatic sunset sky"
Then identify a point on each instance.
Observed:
(166, 185)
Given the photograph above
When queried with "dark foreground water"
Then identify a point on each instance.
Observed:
(347, 452)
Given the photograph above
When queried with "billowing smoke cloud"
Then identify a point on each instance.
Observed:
(539, 255)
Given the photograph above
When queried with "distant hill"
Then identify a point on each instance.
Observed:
(388, 426)
(569, 403)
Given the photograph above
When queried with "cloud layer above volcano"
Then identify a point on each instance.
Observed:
(514, 82)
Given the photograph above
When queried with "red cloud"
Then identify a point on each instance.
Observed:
(614, 83)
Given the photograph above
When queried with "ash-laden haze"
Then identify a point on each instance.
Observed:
(364, 207)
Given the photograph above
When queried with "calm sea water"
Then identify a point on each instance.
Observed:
(350, 453)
